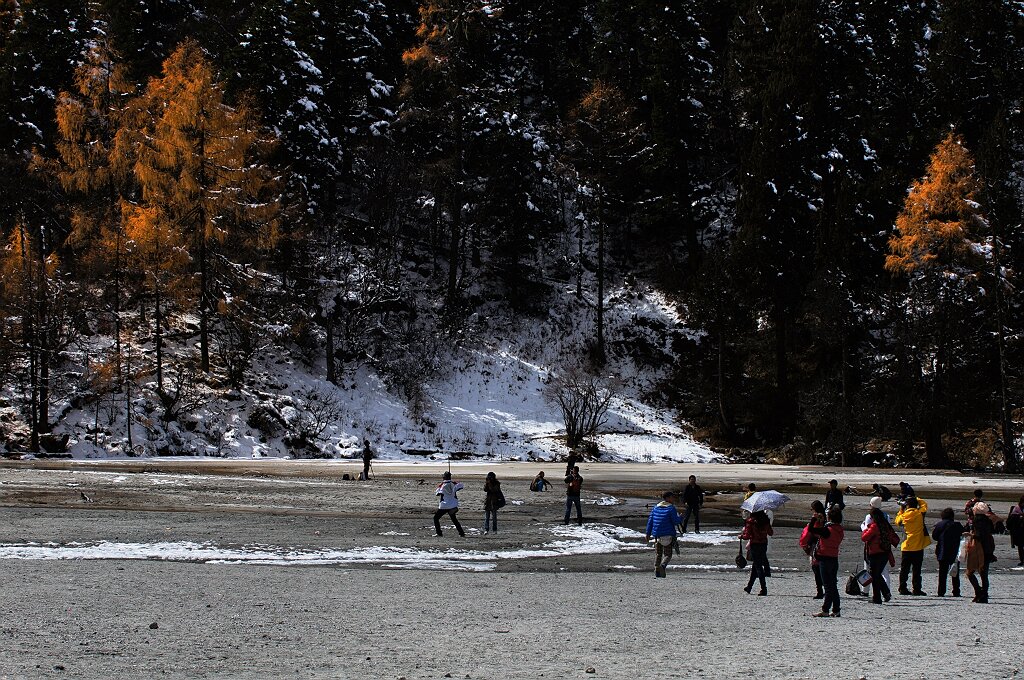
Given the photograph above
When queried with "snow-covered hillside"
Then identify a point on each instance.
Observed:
(489, 401)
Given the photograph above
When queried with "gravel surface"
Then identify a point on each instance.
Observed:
(246, 577)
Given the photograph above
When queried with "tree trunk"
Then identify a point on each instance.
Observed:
(600, 287)
(329, 328)
(204, 262)
(159, 341)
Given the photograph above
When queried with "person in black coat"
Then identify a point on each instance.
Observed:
(693, 499)
(946, 535)
(834, 496)
(881, 491)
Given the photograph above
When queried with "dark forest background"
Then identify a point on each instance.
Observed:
(831, 190)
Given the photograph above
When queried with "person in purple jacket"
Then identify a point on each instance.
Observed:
(661, 526)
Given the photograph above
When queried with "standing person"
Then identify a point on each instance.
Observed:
(449, 503)
(879, 538)
(493, 499)
(573, 487)
(693, 499)
(946, 535)
(881, 491)
(661, 525)
(809, 542)
(1015, 527)
(875, 504)
(834, 496)
(539, 482)
(367, 457)
(981, 552)
(829, 538)
(756, 531)
(911, 518)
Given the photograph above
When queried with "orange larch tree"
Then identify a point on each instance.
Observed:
(201, 171)
(941, 247)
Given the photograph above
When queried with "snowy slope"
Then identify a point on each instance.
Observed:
(489, 401)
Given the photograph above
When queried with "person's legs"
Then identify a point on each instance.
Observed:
(696, 520)
(819, 590)
(943, 573)
(904, 573)
(686, 517)
(568, 508)
(437, 520)
(879, 588)
(494, 520)
(955, 578)
(455, 521)
(759, 551)
(915, 564)
(1020, 555)
(579, 509)
(984, 582)
(829, 567)
(973, 578)
(487, 519)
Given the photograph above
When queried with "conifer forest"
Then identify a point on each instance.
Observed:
(829, 194)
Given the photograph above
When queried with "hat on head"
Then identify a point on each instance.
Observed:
(875, 502)
(981, 507)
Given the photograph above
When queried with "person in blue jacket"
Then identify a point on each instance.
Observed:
(661, 526)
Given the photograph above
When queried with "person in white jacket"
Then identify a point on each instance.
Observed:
(449, 503)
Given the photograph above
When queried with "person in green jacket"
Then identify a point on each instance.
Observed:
(911, 518)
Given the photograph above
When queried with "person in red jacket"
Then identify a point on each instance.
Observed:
(829, 538)
(757, 530)
(878, 540)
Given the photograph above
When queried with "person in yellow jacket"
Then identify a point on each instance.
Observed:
(911, 518)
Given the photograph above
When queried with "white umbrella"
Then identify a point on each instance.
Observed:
(764, 500)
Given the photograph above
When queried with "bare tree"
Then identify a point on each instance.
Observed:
(584, 400)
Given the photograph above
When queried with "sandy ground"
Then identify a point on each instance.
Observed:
(252, 570)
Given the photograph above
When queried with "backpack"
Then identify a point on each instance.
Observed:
(807, 540)
(852, 586)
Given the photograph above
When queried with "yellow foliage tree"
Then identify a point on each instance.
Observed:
(940, 215)
(201, 170)
(96, 150)
(940, 247)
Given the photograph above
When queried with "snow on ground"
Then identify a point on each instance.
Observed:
(593, 539)
(489, 402)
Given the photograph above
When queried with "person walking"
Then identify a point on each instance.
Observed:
(367, 457)
(809, 542)
(879, 538)
(493, 499)
(539, 482)
(946, 535)
(693, 499)
(1015, 527)
(573, 488)
(756, 531)
(834, 496)
(981, 552)
(829, 538)
(661, 526)
(911, 518)
(449, 503)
